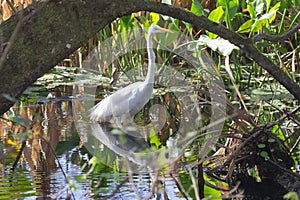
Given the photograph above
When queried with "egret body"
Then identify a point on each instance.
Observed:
(126, 102)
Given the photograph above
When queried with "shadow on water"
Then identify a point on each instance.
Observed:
(41, 157)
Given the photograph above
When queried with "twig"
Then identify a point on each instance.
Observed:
(273, 38)
(53, 151)
(18, 156)
(296, 143)
(179, 186)
(11, 5)
(201, 181)
(284, 169)
(2, 156)
(253, 135)
(237, 151)
(229, 193)
(194, 185)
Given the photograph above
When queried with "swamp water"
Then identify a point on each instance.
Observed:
(42, 157)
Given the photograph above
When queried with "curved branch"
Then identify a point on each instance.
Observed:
(274, 38)
(51, 30)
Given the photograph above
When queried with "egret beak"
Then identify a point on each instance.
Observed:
(165, 30)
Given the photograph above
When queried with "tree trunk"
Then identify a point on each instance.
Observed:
(37, 38)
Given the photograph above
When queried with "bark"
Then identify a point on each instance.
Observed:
(37, 38)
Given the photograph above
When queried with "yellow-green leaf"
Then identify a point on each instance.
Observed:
(246, 27)
(154, 18)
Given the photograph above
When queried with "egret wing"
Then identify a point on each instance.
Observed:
(140, 98)
(116, 104)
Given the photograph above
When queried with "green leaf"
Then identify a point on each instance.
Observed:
(257, 26)
(246, 26)
(213, 193)
(93, 161)
(168, 38)
(277, 131)
(22, 136)
(81, 178)
(233, 7)
(216, 14)
(154, 140)
(251, 26)
(154, 18)
(251, 11)
(271, 140)
(268, 4)
(274, 9)
(126, 22)
(255, 9)
(188, 26)
(197, 8)
(264, 154)
(186, 182)
(261, 146)
(230, 6)
(291, 196)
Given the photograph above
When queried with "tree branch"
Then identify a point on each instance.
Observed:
(274, 38)
(53, 29)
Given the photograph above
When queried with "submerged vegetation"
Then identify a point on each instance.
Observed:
(255, 154)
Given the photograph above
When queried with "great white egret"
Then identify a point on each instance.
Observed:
(126, 102)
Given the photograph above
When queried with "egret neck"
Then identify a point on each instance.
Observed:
(151, 61)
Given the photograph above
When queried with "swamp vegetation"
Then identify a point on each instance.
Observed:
(229, 127)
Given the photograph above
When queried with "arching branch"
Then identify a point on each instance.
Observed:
(278, 38)
(51, 30)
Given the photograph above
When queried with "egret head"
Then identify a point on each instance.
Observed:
(157, 29)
